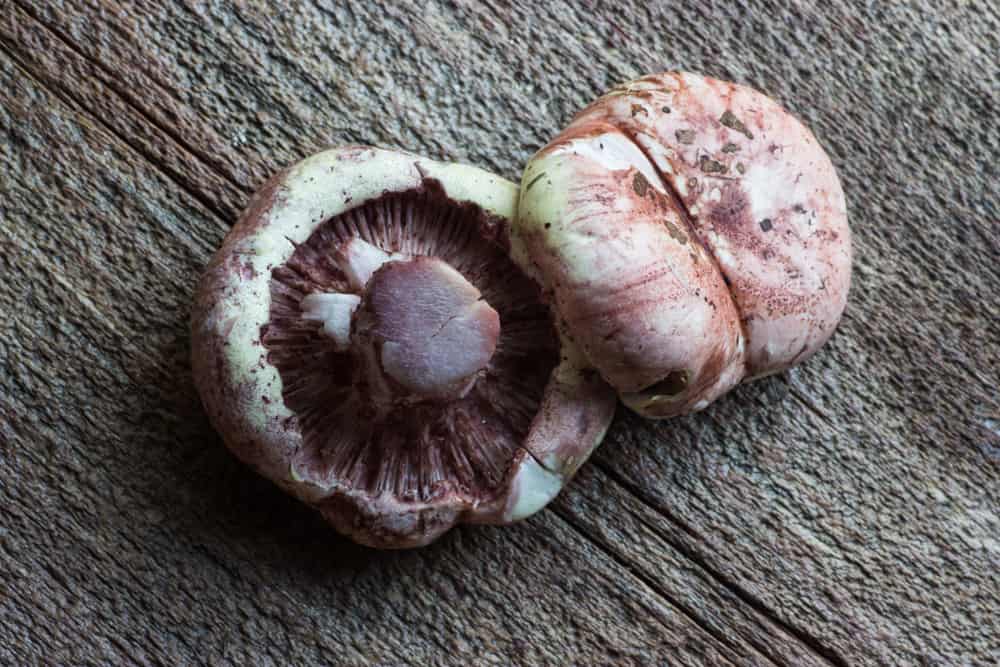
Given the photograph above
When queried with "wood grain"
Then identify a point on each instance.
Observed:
(845, 513)
(122, 513)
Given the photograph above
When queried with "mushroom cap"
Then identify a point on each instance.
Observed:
(281, 395)
(693, 234)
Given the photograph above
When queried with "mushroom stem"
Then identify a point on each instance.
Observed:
(422, 332)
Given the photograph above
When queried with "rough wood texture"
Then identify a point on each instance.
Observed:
(845, 513)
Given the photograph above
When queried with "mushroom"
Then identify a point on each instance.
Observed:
(693, 235)
(364, 339)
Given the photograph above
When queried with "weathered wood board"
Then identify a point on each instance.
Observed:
(847, 512)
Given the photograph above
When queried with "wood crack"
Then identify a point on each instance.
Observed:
(193, 150)
(813, 643)
(224, 208)
(724, 644)
(809, 405)
(78, 107)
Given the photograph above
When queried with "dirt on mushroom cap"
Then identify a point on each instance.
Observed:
(744, 181)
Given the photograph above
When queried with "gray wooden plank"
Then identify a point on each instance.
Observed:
(32, 35)
(25, 37)
(656, 550)
(853, 501)
(84, 84)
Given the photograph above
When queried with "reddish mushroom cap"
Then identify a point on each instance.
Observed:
(363, 339)
(693, 234)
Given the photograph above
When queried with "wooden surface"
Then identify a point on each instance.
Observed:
(845, 513)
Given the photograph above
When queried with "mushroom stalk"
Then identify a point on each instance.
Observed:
(419, 332)
(422, 332)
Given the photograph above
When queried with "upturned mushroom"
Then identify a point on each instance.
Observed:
(364, 339)
(693, 235)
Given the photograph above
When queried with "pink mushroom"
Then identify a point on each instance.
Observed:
(364, 339)
(407, 345)
(693, 234)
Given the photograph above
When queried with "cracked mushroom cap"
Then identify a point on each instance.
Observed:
(693, 234)
(363, 339)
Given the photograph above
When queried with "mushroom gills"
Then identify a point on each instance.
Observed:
(447, 354)
(388, 361)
